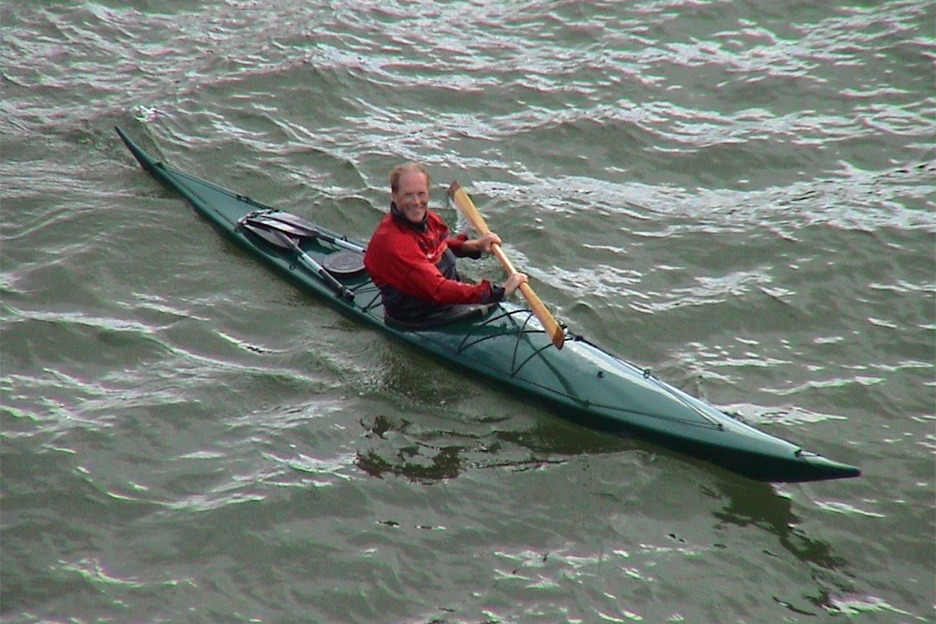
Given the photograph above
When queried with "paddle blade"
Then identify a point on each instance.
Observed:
(285, 222)
(274, 237)
(464, 204)
(550, 324)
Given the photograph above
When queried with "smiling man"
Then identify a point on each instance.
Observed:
(411, 256)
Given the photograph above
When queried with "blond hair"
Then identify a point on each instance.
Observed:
(408, 167)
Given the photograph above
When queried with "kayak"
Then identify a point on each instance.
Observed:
(503, 344)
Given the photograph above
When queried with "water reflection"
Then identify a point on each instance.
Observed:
(400, 447)
(760, 505)
(395, 446)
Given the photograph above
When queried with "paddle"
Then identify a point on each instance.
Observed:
(458, 195)
(289, 223)
(281, 239)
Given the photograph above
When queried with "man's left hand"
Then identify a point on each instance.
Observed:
(484, 243)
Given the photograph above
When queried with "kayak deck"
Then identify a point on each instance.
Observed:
(507, 346)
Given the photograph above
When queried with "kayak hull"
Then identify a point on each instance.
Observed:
(506, 346)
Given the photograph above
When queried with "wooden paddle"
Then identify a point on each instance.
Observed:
(463, 202)
(282, 239)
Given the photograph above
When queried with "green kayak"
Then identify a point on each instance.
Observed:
(503, 344)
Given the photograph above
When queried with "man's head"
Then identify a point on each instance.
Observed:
(409, 188)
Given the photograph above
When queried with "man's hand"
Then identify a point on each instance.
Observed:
(484, 243)
(513, 283)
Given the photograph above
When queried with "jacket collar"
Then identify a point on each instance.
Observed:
(401, 219)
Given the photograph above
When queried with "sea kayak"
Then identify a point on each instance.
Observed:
(503, 344)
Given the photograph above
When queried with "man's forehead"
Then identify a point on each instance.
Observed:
(413, 176)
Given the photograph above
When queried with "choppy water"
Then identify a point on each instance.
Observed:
(738, 195)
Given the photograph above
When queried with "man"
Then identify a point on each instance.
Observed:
(411, 256)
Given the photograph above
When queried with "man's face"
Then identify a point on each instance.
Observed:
(412, 196)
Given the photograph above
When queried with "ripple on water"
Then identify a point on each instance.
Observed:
(751, 190)
(856, 606)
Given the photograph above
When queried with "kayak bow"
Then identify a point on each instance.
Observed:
(505, 345)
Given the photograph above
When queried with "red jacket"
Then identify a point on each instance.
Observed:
(412, 266)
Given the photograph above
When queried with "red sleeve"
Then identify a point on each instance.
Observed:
(398, 262)
(455, 244)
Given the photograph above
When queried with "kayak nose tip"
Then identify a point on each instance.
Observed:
(827, 468)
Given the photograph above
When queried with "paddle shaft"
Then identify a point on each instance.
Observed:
(467, 208)
(339, 288)
(281, 239)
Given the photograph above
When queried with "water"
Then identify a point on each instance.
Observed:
(737, 195)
